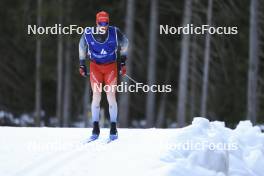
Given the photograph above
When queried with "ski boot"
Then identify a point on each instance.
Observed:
(96, 131)
(113, 132)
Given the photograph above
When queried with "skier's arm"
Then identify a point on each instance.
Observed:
(123, 44)
(83, 48)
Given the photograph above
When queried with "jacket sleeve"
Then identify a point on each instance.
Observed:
(83, 49)
(122, 42)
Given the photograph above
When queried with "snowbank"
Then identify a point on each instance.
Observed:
(202, 149)
(210, 149)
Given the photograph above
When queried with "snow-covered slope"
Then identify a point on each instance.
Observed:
(201, 149)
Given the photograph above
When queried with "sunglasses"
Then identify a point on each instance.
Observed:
(103, 23)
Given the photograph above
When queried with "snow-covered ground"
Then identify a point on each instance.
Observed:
(201, 149)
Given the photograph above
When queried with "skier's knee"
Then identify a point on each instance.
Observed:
(111, 99)
(96, 99)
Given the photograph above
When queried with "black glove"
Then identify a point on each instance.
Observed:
(83, 70)
(122, 65)
(123, 60)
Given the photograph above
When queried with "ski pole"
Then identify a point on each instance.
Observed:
(131, 79)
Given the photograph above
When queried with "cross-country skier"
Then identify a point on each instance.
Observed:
(101, 50)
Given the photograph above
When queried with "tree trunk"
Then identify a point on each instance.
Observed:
(206, 62)
(193, 78)
(60, 70)
(67, 85)
(67, 74)
(161, 112)
(183, 77)
(150, 104)
(38, 70)
(253, 64)
(124, 99)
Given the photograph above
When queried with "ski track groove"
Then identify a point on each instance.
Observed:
(61, 159)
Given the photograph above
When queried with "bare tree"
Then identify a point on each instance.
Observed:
(253, 63)
(67, 84)
(161, 119)
(193, 78)
(160, 123)
(206, 62)
(183, 78)
(196, 50)
(60, 69)
(38, 69)
(124, 99)
(150, 104)
(67, 73)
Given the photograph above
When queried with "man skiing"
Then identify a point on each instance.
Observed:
(102, 51)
